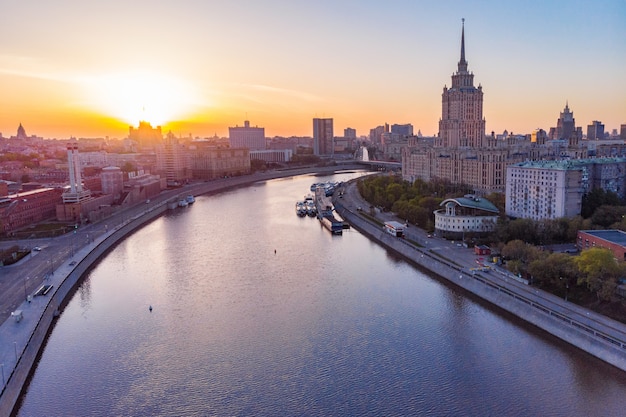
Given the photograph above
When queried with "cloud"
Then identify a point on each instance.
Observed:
(301, 95)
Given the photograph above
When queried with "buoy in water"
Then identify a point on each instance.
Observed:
(150, 308)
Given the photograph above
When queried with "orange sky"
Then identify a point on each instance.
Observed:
(90, 70)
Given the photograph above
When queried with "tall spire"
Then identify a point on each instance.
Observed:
(463, 62)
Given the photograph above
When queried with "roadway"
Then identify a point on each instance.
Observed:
(19, 280)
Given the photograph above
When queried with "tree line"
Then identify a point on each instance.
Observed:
(590, 279)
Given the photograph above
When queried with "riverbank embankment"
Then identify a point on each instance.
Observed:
(595, 334)
(22, 336)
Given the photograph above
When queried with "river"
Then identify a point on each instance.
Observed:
(256, 311)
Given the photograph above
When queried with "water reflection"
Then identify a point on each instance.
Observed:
(324, 326)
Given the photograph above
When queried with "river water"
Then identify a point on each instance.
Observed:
(259, 312)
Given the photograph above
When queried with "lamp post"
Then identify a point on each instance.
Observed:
(25, 295)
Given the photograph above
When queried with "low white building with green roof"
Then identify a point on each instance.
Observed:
(468, 214)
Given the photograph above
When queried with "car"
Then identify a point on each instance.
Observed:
(36, 248)
(72, 263)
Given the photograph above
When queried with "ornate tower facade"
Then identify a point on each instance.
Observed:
(461, 124)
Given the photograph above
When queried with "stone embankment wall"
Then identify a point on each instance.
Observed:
(593, 333)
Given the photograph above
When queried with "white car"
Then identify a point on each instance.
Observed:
(36, 248)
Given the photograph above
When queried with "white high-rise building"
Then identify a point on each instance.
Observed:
(252, 138)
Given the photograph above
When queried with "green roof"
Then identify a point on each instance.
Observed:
(472, 201)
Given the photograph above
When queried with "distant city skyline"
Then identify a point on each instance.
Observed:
(194, 67)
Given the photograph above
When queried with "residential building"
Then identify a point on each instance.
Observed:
(349, 133)
(323, 137)
(552, 189)
(595, 131)
(172, 161)
(544, 189)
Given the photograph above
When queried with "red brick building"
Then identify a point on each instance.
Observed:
(20, 210)
(615, 240)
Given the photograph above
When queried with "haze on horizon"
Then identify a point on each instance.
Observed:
(70, 68)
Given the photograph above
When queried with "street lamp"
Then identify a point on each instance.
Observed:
(25, 295)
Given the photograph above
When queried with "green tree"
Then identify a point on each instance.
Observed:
(599, 272)
(557, 270)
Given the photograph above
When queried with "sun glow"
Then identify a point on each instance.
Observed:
(143, 96)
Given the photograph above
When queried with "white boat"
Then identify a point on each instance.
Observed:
(190, 199)
(301, 208)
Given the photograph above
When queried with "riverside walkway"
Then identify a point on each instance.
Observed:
(593, 333)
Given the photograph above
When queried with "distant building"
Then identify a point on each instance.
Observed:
(323, 137)
(112, 179)
(349, 133)
(376, 134)
(210, 162)
(622, 132)
(252, 138)
(272, 155)
(145, 135)
(402, 130)
(18, 211)
(463, 154)
(21, 132)
(172, 161)
(76, 193)
(566, 126)
(463, 215)
(614, 240)
(595, 131)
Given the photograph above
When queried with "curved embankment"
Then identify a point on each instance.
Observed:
(30, 334)
(595, 334)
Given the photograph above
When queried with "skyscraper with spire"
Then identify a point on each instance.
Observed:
(461, 123)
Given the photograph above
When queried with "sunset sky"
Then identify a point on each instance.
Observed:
(92, 68)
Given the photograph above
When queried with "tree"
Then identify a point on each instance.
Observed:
(556, 270)
(599, 271)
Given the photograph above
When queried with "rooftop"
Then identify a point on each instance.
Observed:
(472, 201)
(614, 236)
(567, 164)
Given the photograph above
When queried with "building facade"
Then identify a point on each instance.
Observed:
(209, 162)
(614, 240)
(24, 209)
(323, 137)
(470, 214)
(544, 190)
(172, 161)
(249, 137)
(552, 189)
(462, 154)
(112, 179)
(595, 131)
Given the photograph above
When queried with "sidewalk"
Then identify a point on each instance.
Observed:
(593, 333)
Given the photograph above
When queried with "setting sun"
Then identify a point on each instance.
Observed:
(145, 96)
